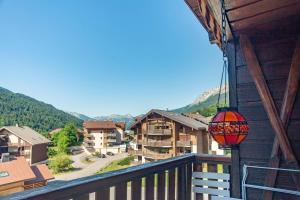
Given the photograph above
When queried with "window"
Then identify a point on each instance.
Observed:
(3, 174)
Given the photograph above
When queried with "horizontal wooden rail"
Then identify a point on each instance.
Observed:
(162, 177)
(86, 185)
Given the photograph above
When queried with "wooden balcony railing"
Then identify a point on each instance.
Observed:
(158, 143)
(135, 152)
(162, 178)
(183, 143)
(159, 132)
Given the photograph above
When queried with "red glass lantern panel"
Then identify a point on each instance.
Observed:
(228, 127)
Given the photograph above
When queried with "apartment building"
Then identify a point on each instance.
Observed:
(102, 135)
(23, 141)
(163, 134)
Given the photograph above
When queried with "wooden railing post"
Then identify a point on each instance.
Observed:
(181, 182)
(171, 184)
(161, 185)
(212, 168)
(197, 167)
(121, 191)
(136, 189)
(150, 187)
(103, 194)
(189, 181)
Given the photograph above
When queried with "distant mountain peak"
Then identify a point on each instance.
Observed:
(208, 93)
(205, 100)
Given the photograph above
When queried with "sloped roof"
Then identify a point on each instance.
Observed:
(198, 117)
(99, 124)
(17, 170)
(41, 172)
(121, 125)
(27, 134)
(177, 117)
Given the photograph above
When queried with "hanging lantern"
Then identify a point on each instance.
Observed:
(228, 127)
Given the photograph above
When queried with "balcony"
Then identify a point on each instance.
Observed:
(128, 182)
(135, 152)
(113, 135)
(183, 143)
(156, 155)
(111, 140)
(159, 132)
(89, 136)
(158, 143)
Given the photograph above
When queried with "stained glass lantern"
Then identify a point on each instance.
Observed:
(228, 127)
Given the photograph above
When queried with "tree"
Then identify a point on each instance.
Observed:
(63, 143)
(60, 163)
(70, 131)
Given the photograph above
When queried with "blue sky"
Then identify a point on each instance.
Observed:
(100, 57)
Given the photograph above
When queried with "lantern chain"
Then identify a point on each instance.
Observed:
(224, 50)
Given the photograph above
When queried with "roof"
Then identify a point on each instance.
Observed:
(243, 17)
(17, 170)
(177, 117)
(99, 125)
(121, 125)
(27, 134)
(42, 173)
(198, 117)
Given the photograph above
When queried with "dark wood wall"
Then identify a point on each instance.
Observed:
(274, 49)
(39, 153)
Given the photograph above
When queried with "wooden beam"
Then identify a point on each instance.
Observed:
(286, 111)
(266, 97)
(235, 155)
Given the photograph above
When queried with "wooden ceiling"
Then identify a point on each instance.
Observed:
(244, 15)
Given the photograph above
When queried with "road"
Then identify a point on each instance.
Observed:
(87, 169)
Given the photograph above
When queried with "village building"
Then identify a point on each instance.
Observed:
(163, 134)
(23, 141)
(17, 175)
(103, 136)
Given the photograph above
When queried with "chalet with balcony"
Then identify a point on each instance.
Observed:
(100, 135)
(163, 134)
(23, 141)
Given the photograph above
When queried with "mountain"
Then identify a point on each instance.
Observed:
(129, 119)
(205, 103)
(20, 109)
(80, 116)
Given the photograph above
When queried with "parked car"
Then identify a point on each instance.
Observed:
(110, 154)
(103, 156)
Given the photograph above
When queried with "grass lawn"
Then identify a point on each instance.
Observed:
(116, 165)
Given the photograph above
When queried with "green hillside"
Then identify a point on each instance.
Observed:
(206, 108)
(23, 110)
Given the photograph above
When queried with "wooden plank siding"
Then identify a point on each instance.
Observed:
(274, 51)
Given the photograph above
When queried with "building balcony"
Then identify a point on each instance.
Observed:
(159, 132)
(135, 152)
(177, 170)
(89, 136)
(183, 143)
(16, 145)
(111, 140)
(157, 143)
(139, 142)
(112, 135)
